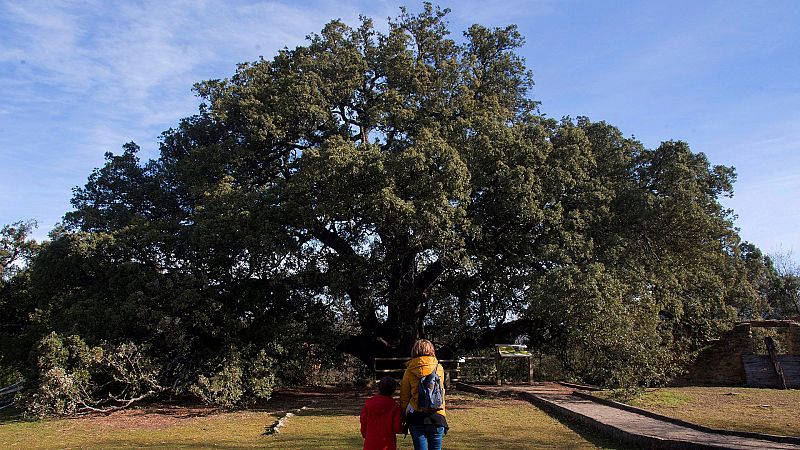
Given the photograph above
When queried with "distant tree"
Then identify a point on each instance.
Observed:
(785, 293)
(16, 247)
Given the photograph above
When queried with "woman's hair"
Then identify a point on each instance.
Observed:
(422, 347)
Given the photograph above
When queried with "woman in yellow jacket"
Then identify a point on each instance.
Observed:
(427, 428)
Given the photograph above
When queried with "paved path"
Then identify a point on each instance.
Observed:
(645, 426)
(634, 428)
(540, 388)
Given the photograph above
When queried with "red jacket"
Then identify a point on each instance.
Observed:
(380, 422)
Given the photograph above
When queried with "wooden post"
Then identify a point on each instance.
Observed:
(530, 370)
(776, 365)
(498, 379)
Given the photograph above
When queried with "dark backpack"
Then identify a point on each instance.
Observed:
(431, 395)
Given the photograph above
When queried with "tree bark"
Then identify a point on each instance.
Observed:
(408, 290)
(407, 308)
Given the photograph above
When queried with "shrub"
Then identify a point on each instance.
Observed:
(71, 377)
(237, 381)
(224, 388)
(259, 377)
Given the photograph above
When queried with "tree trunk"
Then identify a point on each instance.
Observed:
(407, 309)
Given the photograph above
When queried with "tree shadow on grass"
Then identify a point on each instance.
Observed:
(123, 444)
(167, 410)
(11, 415)
(328, 402)
(343, 409)
(351, 406)
(322, 441)
(330, 405)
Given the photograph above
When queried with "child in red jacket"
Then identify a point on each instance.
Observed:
(380, 418)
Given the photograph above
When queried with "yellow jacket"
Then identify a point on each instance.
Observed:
(417, 368)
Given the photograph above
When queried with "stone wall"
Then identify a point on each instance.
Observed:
(721, 362)
(792, 339)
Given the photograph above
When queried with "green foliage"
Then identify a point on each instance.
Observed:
(776, 280)
(602, 331)
(72, 377)
(65, 369)
(223, 388)
(260, 377)
(237, 381)
(8, 375)
(784, 296)
(16, 248)
(370, 188)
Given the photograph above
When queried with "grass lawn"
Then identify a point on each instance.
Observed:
(771, 411)
(331, 421)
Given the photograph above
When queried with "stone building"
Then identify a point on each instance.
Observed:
(733, 361)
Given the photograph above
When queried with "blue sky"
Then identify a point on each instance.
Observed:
(78, 79)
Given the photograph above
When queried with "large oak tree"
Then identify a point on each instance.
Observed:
(406, 180)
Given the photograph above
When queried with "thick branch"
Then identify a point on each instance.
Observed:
(366, 348)
(333, 240)
(86, 408)
(425, 280)
(366, 311)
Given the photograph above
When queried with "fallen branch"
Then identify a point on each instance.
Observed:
(88, 409)
(16, 387)
(9, 391)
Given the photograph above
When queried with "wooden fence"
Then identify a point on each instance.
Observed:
(452, 367)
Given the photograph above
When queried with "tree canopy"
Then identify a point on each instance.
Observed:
(371, 188)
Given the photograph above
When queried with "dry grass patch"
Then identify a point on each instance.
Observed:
(148, 430)
(770, 411)
(330, 422)
(475, 423)
(510, 424)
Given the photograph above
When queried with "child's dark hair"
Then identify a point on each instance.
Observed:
(387, 386)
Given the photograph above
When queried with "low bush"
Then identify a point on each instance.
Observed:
(72, 377)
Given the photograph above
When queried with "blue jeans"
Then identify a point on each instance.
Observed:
(427, 437)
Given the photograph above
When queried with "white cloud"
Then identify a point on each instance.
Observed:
(126, 56)
(82, 78)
